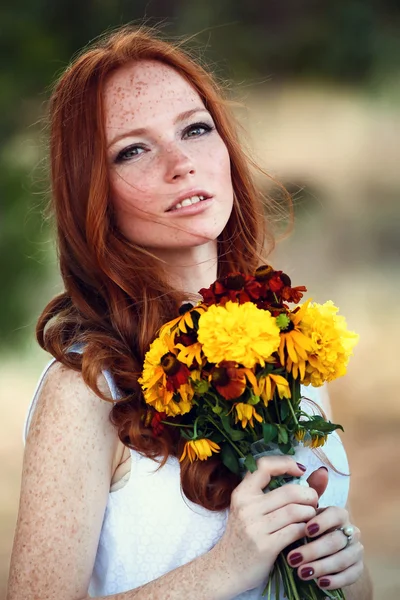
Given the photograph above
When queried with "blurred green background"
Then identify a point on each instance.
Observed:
(319, 84)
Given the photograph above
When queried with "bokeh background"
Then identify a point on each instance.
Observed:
(319, 84)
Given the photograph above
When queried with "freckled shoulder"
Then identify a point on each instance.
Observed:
(68, 464)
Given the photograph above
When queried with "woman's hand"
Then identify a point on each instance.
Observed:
(328, 557)
(262, 525)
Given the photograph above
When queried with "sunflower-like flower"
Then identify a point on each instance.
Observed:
(165, 381)
(238, 332)
(297, 345)
(271, 382)
(245, 413)
(199, 449)
(332, 343)
(315, 441)
(188, 316)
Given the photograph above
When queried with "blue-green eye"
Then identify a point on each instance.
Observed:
(129, 153)
(196, 130)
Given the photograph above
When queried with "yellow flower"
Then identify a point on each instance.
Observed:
(245, 413)
(154, 383)
(332, 343)
(185, 319)
(300, 434)
(297, 344)
(316, 441)
(238, 332)
(187, 354)
(199, 449)
(270, 383)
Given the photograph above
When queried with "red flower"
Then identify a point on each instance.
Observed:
(229, 380)
(156, 424)
(177, 373)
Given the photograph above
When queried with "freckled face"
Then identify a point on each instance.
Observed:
(163, 149)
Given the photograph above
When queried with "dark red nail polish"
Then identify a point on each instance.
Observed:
(296, 559)
(313, 529)
(324, 582)
(306, 572)
(301, 467)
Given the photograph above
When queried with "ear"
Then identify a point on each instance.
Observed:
(319, 480)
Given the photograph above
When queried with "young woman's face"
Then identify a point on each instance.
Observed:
(170, 170)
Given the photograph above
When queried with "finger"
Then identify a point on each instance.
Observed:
(340, 580)
(328, 519)
(326, 545)
(287, 535)
(268, 467)
(318, 480)
(333, 564)
(286, 495)
(292, 513)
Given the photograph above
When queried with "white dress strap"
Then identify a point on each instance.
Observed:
(78, 348)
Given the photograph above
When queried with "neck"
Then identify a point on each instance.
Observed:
(191, 269)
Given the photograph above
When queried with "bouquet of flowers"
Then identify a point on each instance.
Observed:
(227, 372)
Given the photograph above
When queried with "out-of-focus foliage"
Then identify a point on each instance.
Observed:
(350, 41)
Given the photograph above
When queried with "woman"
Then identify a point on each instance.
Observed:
(153, 199)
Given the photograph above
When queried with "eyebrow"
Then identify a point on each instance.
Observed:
(142, 130)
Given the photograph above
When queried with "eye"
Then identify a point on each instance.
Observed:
(129, 153)
(196, 130)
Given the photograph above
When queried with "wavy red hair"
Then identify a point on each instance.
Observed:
(116, 296)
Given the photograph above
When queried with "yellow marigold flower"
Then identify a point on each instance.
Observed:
(154, 383)
(238, 332)
(332, 343)
(270, 383)
(199, 449)
(245, 413)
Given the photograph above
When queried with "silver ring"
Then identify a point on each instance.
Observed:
(348, 531)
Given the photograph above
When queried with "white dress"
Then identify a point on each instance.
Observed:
(150, 527)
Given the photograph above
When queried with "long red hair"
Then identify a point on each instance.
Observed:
(116, 296)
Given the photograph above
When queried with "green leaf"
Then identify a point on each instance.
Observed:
(230, 459)
(284, 409)
(286, 448)
(282, 435)
(320, 424)
(250, 463)
(270, 432)
(234, 434)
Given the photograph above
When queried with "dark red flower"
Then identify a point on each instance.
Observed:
(294, 295)
(177, 373)
(156, 424)
(229, 380)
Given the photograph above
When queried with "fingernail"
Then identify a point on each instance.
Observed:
(313, 529)
(324, 582)
(301, 467)
(326, 468)
(307, 572)
(296, 558)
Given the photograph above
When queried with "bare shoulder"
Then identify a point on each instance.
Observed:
(67, 405)
(66, 476)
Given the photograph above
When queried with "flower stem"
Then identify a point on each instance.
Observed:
(176, 424)
(292, 411)
(226, 437)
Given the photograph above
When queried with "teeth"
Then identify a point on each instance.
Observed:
(189, 201)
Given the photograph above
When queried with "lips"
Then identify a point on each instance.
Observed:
(188, 198)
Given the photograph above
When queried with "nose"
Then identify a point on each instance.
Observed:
(178, 164)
